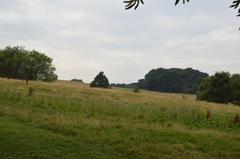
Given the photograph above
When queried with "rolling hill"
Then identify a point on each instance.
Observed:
(66, 120)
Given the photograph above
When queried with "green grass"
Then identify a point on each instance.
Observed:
(66, 120)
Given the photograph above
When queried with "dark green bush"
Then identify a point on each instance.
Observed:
(136, 90)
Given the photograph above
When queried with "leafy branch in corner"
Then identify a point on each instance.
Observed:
(177, 1)
(235, 5)
(132, 3)
(135, 4)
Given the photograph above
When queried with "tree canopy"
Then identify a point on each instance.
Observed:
(172, 80)
(220, 88)
(19, 63)
(100, 81)
(135, 3)
(235, 88)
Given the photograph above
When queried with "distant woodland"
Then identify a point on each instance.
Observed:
(174, 80)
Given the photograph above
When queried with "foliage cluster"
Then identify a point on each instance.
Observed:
(19, 63)
(221, 88)
(100, 81)
(172, 80)
(135, 3)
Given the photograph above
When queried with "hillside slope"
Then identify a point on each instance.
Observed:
(64, 120)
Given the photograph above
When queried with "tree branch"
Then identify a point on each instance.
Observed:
(236, 5)
(135, 4)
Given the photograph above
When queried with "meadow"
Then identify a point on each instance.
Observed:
(67, 120)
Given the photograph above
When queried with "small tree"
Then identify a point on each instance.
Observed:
(100, 81)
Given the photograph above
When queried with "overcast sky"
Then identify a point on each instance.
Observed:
(87, 36)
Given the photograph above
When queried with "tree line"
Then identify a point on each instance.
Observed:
(222, 87)
(19, 63)
(173, 80)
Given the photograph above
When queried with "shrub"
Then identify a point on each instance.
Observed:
(136, 90)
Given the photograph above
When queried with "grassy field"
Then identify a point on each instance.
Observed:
(65, 120)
